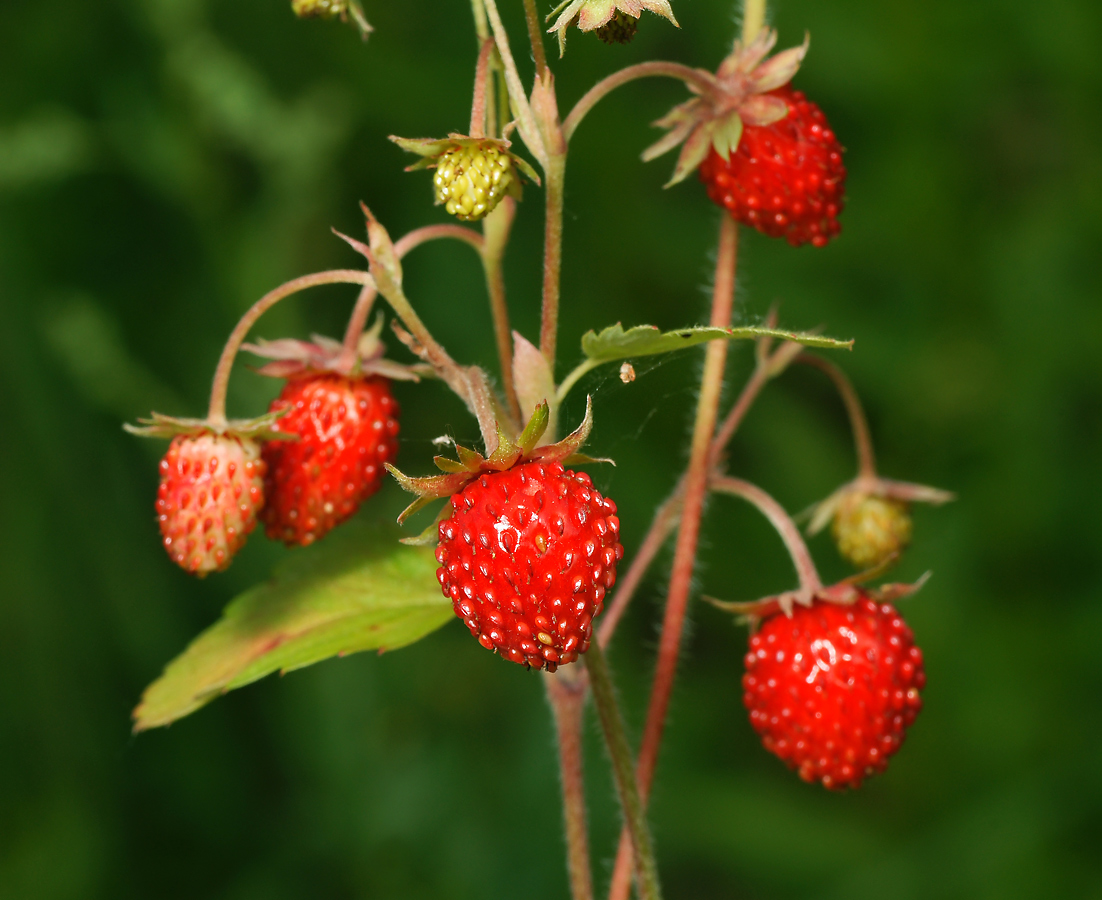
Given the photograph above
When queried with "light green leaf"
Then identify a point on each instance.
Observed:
(359, 589)
(645, 340)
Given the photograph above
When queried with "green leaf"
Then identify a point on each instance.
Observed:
(645, 340)
(359, 589)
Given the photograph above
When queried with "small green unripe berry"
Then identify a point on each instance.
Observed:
(869, 529)
(325, 9)
(620, 29)
(471, 180)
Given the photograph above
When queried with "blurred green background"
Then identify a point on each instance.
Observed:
(165, 162)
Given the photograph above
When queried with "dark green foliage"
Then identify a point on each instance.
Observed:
(163, 163)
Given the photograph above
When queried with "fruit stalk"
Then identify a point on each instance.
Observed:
(481, 29)
(859, 423)
(554, 184)
(535, 35)
(216, 414)
(478, 101)
(566, 690)
(356, 323)
(684, 560)
(753, 19)
(692, 78)
(495, 229)
(780, 520)
(604, 698)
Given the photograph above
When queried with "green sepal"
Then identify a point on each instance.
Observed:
(260, 428)
(535, 428)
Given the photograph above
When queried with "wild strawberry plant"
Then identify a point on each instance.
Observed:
(523, 548)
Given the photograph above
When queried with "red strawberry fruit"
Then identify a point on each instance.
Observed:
(785, 179)
(211, 488)
(526, 557)
(347, 429)
(833, 688)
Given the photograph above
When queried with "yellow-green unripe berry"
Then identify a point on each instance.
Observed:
(325, 9)
(868, 529)
(471, 180)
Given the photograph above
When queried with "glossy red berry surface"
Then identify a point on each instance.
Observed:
(527, 557)
(833, 689)
(211, 488)
(785, 179)
(347, 428)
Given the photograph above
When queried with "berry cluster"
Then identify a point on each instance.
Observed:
(785, 179)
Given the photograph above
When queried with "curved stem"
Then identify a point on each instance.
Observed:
(684, 560)
(604, 698)
(420, 236)
(780, 520)
(478, 102)
(693, 78)
(866, 459)
(216, 415)
(366, 300)
(535, 34)
(356, 323)
(566, 691)
(496, 228)
(572, 379)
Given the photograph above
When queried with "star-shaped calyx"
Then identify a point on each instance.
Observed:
(458, 473)
(292, 357)
(592, 15)
(736, 95)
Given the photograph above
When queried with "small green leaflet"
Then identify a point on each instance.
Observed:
(359, 589)
(646, 340)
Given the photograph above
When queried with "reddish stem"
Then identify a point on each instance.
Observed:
(696, 484)
(535, 35)
(566, 691)
(780, 520)
(478, 103)
(701, 80)
(859, 423)
(216, 414)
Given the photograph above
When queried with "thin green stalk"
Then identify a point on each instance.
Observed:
(612, 723)
(753, 19)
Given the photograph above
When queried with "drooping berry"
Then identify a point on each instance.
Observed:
(471, 179)
(347, 429)
(868, 529)
(785, 179)
(527, 557)
(833, 689)
(211, 488)
(620, 29)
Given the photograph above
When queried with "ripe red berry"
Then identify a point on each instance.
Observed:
(526, 557)
(211, 487)
(347, 428)
(833, 689)
(785, 179)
